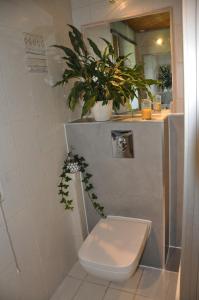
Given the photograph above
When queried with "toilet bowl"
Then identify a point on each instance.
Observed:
(113, 249)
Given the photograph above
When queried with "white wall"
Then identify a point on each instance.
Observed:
(125, 47)
(93, 11)
(97, 32)
(123, 29)
(32, 147)
(146, 41)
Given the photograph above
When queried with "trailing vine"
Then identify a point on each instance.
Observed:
(73, 164)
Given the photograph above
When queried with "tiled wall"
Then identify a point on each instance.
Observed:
(94, 11)
(32, 147)
(176, 140)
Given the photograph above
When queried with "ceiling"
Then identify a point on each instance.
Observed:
(150, 22)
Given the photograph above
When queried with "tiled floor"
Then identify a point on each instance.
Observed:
(146, 284)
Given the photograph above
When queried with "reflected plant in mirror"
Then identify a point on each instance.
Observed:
(102, 78)
(148, 40)
(165, 77)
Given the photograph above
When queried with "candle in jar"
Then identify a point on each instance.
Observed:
(146, 113)
(157, 106)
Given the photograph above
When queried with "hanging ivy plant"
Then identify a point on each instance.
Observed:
(73, 164)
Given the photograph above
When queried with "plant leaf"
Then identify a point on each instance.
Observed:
(110, 46)
(78, 35)
(74, 43)
(95, 48)
(87, 105)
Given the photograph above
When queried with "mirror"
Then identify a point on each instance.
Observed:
(147, 39)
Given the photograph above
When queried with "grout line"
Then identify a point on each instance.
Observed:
(150, 267)
(154, 268)
(124, 291)
(109, 284)
(119, 290)
(100, 284)
(175, 247)
(176, 272)
(163, 269)
(85, 281)
(77, 289)
(105, 292)
(74, 277)
(9, 236)
(139, 281)
(84, 203)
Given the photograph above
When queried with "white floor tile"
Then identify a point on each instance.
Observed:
(131, 284)
(154, 284)
(173, 278)
(146, 284)
(67, 289)
(97, 280)
(113, 294)
(163, 290)
(90, 291)
(77, 271)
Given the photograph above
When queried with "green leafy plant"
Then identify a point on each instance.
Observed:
(165, 76)
(64, 185)
(100, 77)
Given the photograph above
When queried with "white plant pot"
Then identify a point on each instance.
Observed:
(102, 112)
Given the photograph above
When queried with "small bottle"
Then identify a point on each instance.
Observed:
(146, 109)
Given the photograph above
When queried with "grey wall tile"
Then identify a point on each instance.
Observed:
(176, 140)
(127, 187)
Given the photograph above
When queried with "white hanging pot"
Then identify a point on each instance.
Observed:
(102, 112)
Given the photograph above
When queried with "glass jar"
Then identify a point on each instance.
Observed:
(157, 103)
(146, 106)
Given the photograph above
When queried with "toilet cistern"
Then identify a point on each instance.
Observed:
(113, 249)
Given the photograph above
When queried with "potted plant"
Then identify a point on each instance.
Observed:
(102, 80)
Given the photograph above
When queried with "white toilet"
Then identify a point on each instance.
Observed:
(113, 249)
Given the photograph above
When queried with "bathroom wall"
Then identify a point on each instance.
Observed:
(123, 29)
(32, 149)
(96, 32)
(125, 47)
(87, 12)
(176, 140)
(146, 42)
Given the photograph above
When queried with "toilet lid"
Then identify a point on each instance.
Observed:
(115, 242)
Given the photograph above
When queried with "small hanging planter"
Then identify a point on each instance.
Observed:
(73, 164)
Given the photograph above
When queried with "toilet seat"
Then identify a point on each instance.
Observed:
(114, 247)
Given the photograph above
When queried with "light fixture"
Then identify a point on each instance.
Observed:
(159, 41)
(123, 5)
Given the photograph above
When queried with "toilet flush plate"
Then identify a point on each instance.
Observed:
(122, 143)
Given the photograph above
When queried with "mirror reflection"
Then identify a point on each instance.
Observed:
(147, 39)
